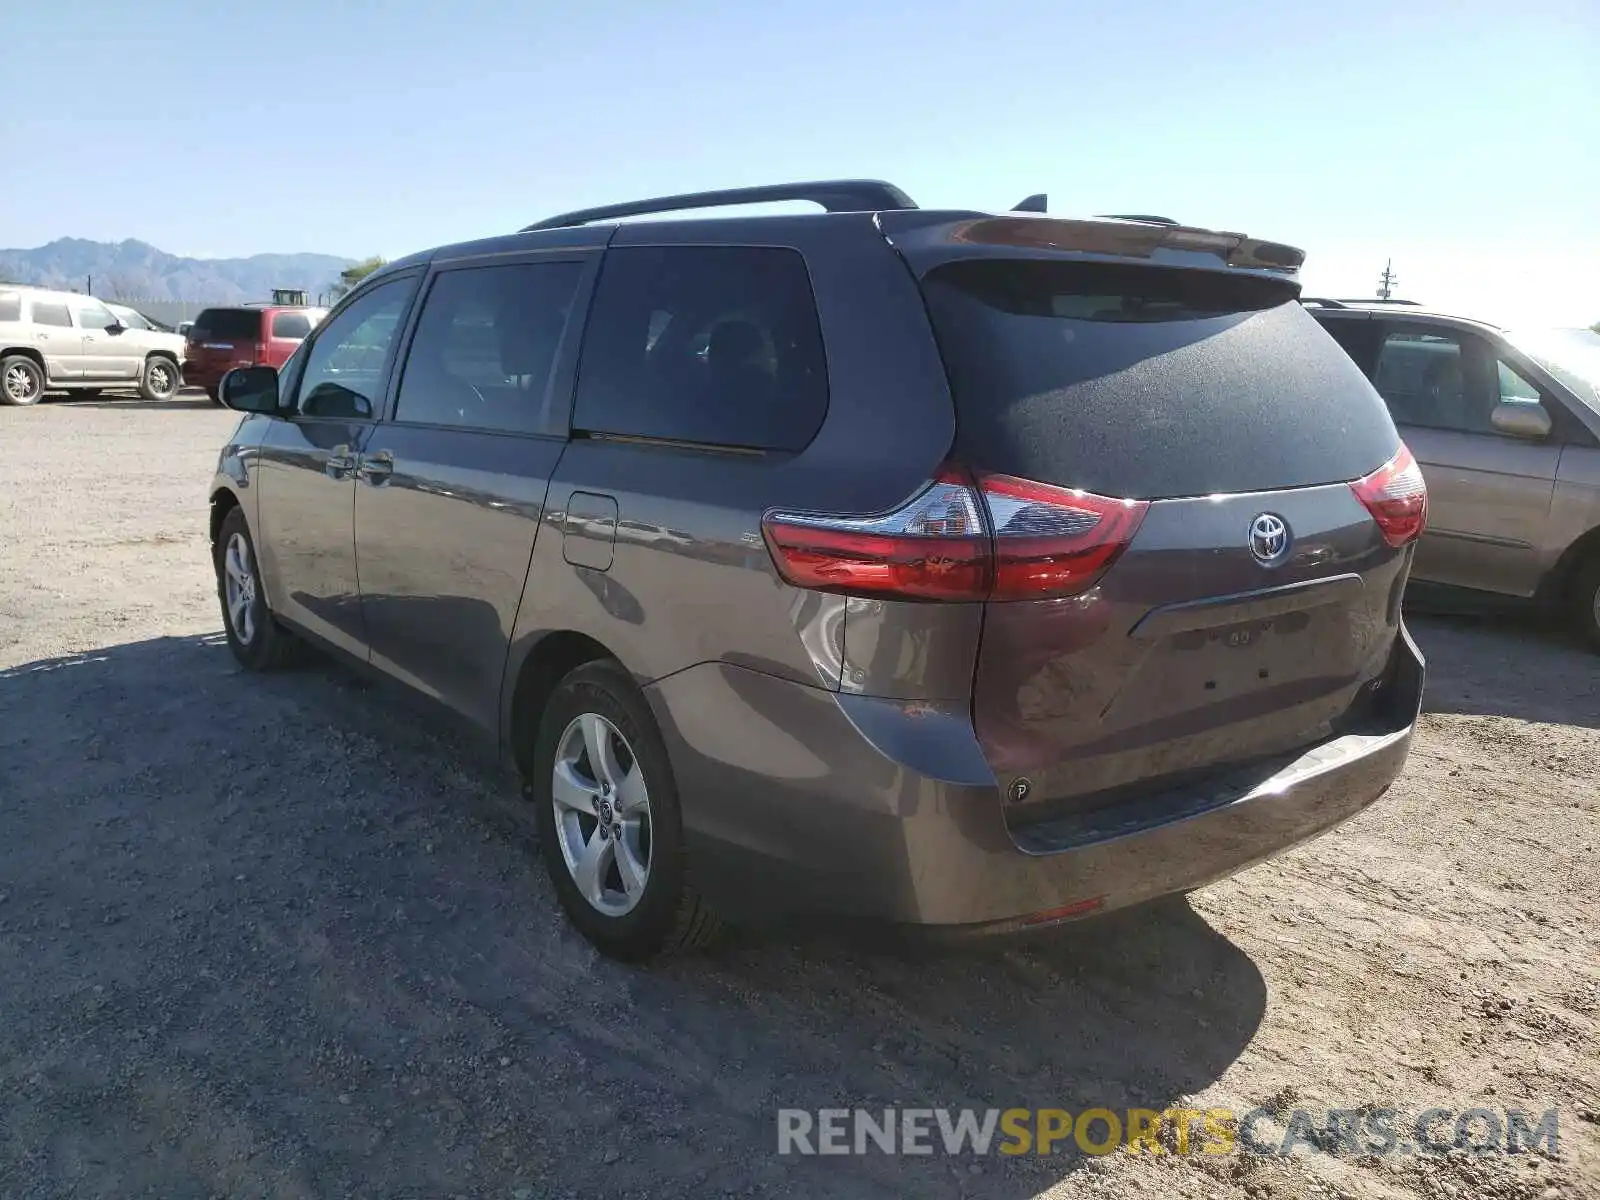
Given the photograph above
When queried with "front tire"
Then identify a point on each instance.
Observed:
(610, 826)
(160, 379)
(257, 641)
(21, 380)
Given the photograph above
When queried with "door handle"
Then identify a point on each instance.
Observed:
(340, 462)
(376, 468)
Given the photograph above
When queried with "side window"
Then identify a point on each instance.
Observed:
(343, 372)
(47, 312)
(1514, 389)
(486, 345)
(1357, 337)
(94, 316)
(290, 325)
(713, 345)
(1435, 379)
(10, 306)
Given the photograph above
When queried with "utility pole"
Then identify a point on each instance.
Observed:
(1387, 281)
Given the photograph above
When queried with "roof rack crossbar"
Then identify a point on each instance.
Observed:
(834, 195)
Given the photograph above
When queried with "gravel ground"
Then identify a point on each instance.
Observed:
(279, 937)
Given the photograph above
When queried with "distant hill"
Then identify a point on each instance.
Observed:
(136, 270)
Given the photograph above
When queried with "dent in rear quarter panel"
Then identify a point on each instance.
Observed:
(799, 800)
(911, 651)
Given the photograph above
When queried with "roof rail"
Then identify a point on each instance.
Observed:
(1148, 220)
(1324, 302)
(834, 195)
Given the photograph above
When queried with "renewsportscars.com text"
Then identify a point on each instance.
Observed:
(1347, 1132)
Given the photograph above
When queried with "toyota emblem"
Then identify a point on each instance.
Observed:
(1269, 539)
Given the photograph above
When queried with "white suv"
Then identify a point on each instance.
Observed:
(65, 341)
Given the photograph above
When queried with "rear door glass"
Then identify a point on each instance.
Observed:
(49, 313)
(1149, 382)
(1435, 380)
(713, 345)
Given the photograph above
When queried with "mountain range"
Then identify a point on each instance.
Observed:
(132, 270)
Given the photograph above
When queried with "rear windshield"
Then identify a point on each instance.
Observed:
(1149, 382)
(227, 324)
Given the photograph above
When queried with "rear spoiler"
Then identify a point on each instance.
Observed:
(943, 236)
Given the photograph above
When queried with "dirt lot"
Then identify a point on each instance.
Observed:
(277, 937)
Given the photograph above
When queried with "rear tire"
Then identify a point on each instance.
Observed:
(21, 380)
(1586, 601)
(160, 379)
(256, 639)
(633, 795)
(216, 397)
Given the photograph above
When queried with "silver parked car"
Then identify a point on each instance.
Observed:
(66, 341)
(1506, 427)
(975, 572)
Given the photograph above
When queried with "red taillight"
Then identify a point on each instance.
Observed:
(993, 538)
(1052, 541)
(934, 547)
(1396, 497)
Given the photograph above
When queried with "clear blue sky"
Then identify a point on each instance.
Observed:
(1462, 137)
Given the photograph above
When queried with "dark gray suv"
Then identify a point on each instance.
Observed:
(945, 569)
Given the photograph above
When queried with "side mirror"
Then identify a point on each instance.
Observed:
(250, 389)
(1522, 420)
(115, 327)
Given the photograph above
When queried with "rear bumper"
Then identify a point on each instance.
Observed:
(801, 803)
(197, 374)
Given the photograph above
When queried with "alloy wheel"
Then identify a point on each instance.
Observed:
(159, 376)
(19, 384)
(239, 584)
(602, 814)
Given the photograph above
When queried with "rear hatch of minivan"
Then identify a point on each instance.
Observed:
(222, 338)
(1200, 511)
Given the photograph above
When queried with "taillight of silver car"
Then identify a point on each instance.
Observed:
(1396, 497)
(965, 537)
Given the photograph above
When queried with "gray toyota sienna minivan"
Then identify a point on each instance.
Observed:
(933, 568)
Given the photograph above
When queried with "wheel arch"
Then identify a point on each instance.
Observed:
(550, 659)
(1556, 589)
(31, 354)
(25, 352)
(223, 501)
